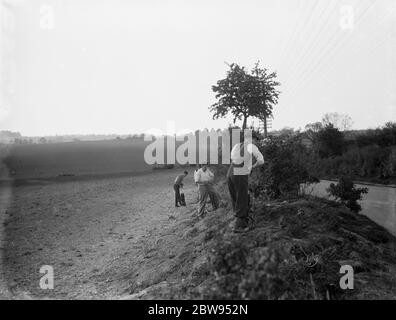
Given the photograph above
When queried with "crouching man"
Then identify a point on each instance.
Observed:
(176, 186)
(245, 156)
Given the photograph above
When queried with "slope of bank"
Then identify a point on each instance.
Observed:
(295, 252)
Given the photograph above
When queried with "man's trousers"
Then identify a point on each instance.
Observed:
(205, 191)
(238, 186)
(176, 187)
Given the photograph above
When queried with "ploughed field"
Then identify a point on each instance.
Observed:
(73, 158)
(99, 235)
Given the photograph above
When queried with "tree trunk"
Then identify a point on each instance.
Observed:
(244, 122)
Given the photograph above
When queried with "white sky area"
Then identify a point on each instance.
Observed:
(129, 66)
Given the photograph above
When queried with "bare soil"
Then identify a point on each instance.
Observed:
(104, 238)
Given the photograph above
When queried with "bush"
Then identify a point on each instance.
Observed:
(383, 137)
(367, 139)
(373, 162)
(346, 193)
(285, 169)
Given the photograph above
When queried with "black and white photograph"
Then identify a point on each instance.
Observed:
(213, 152)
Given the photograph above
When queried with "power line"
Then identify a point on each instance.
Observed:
(331, 52)
(379, 43)
(331, 43)
(306, 65)
(315, 40)
(287, 46)
(298, 30)
(305, 26)
(288, 26)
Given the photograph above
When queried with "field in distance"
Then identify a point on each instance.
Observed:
(73, 159)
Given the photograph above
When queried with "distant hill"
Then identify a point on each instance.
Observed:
(9, 136)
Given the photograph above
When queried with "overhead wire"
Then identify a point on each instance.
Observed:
(315, 39)
(324, 50)
(328, 54)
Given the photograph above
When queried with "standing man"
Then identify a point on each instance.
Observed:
(177, 185)
(204, 178)
(242, 156)
(197, 168)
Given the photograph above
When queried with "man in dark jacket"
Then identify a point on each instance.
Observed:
(177, 185)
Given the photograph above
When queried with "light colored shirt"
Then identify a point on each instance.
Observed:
(202, 177)
(239, 157)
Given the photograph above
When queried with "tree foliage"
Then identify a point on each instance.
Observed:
(285, 169)
(329, 142)
(246, 94)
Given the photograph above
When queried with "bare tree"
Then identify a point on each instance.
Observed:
(342, 122)
(311, 129)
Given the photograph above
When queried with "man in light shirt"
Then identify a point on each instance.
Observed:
(245, 156)
(197, 168)
(204, 179)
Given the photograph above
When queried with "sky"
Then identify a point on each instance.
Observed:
(118, 66)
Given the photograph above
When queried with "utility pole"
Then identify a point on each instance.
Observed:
(267, 124)
(265, 127)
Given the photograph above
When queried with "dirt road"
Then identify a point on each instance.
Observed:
(100, 236)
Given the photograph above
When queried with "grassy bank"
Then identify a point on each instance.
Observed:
(295, 252)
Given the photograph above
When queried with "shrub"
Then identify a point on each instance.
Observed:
(285, 169)
(346, 193)
(371, 161)
(375, 160)
(383, 137)
(366, 139)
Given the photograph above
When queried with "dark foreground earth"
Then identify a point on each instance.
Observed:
(122, 238)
